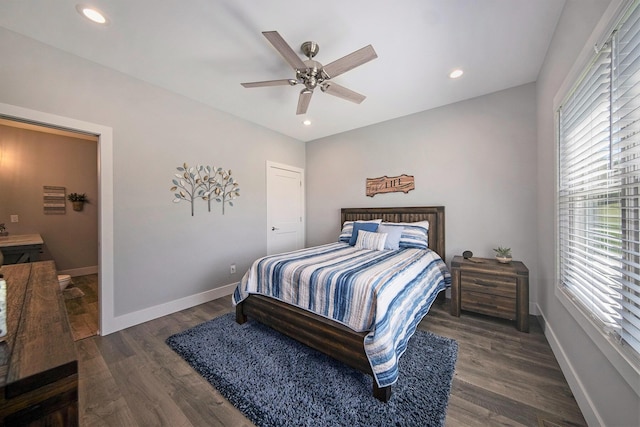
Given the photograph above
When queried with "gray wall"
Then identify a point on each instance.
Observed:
(33, 159)
(476, 157)
(162, 253)
(592, 377)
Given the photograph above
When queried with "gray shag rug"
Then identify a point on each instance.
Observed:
(276, 381)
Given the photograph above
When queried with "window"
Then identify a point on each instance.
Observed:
(599, 186)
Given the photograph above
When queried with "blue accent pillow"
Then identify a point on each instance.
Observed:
(394, 232)
(347, 229)
(357, 226)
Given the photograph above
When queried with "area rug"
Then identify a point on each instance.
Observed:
(276, 381)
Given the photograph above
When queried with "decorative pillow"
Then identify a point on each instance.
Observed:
(347, 229)
(414, 234)
(369, 240)
(366, 226)
(394, 232)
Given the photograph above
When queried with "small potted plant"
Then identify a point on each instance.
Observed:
(78, 200)
(3, 230)
(503, 255)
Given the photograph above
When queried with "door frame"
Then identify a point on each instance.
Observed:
(106, 321)
(269, 165)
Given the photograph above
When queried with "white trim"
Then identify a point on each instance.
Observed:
(82, 271)
(588, 409)
(627, 367)
(105, 196)
(534, 309)
(147, 314)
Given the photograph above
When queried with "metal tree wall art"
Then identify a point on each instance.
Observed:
(186, 185)
(206, 183)
(227, 189)
(208, 175)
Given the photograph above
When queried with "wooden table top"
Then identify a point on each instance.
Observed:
(20, 240)
(39, 343)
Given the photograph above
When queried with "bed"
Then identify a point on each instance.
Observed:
(335, 333)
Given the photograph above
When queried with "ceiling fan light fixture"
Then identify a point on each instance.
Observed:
(456, 73)
(92, 14)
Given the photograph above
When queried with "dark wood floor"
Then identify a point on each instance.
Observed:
(503, 377)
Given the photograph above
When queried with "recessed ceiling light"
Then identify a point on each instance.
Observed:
(92, 14)
(307, 122)
(456, 73)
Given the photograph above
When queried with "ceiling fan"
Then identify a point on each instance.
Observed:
(312, 74)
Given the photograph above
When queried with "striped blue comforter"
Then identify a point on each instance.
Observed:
(384, 292)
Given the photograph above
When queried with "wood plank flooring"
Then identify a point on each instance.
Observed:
(83, 311)
(503, 377)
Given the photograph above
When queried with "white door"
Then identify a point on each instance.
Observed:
(285, 208)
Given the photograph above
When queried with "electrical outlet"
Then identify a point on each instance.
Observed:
(232, 269)
(14, 218)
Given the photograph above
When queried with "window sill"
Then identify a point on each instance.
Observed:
(623, 359)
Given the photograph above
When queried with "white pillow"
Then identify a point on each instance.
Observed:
(414, 234)
(394, 233)
(370, 240)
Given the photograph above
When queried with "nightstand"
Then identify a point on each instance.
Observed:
(489, 287)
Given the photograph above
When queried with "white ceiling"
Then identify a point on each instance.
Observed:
(204, 49)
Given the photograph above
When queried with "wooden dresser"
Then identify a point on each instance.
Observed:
(489, 287)
(38, 362)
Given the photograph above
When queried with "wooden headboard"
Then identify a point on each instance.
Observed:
(433, 214)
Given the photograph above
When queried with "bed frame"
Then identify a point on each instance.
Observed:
(327, 336)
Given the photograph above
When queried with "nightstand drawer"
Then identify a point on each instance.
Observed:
(489, 304)
(489, 284)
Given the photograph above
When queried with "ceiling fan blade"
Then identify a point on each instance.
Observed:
(303, 101)
(342, 92)
(284, 49)
(350, 61)
(282, 82)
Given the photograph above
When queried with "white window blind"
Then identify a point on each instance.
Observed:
(625, 153)
(599, 186)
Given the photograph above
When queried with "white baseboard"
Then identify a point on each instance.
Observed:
(591, 415)
(83, 271)
(141, 316)
(534, 309)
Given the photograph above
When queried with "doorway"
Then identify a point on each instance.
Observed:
(40, 167)
(285, 208)
(105, 197)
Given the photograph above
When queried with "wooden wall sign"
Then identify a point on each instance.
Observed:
(54, 200)
(385, 184)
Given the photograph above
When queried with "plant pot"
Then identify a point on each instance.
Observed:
(78, 206)
(503, 259)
